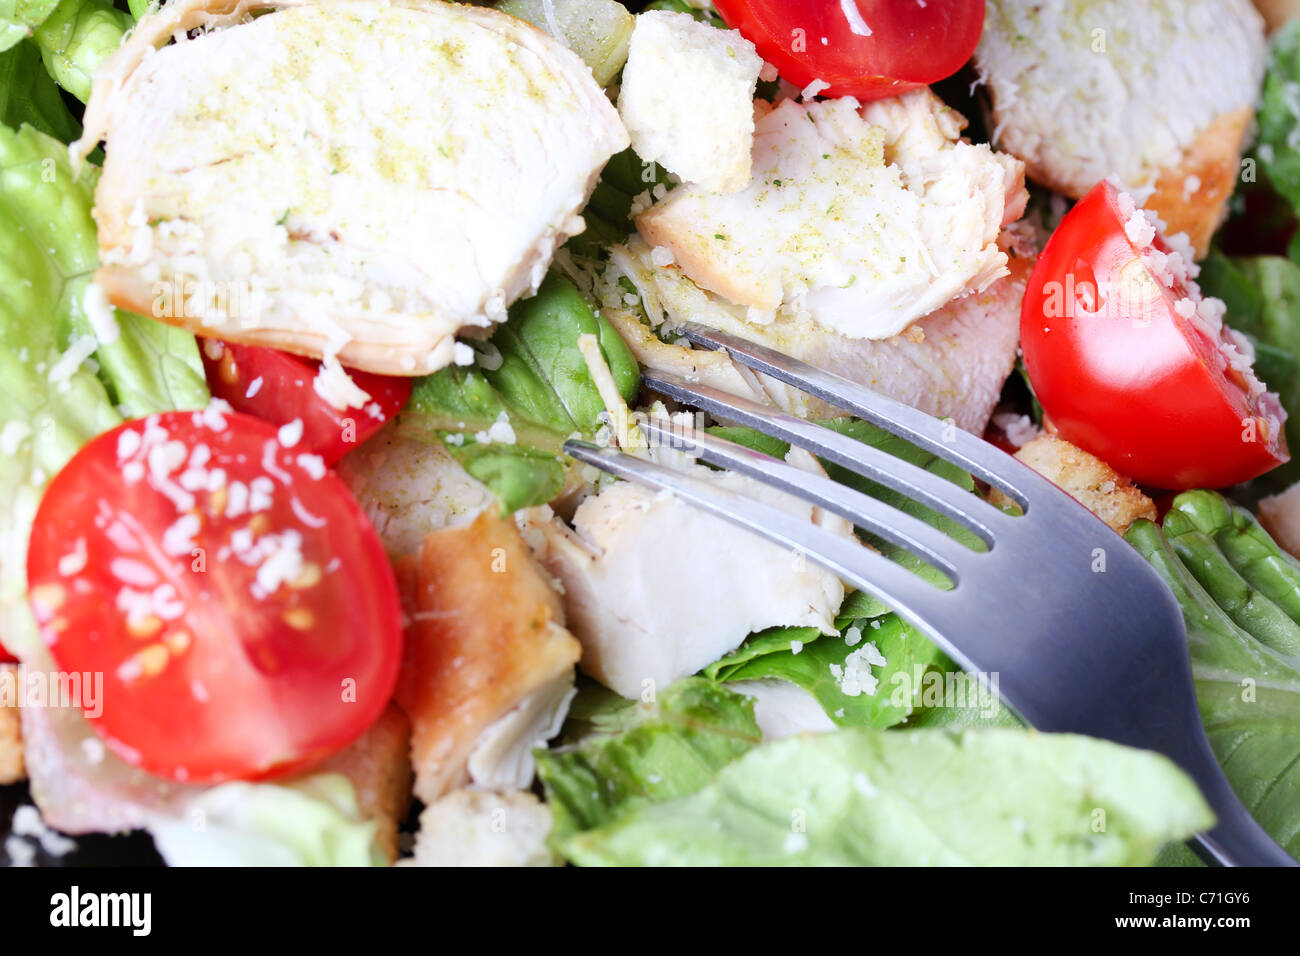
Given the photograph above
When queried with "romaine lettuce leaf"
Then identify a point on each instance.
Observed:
(1241, 639)
(532, 377)
(28, 95)
(869, 797)
(19, 17)
(704, 12)
(59, 384)
(597, 30)
(823, 664)
(1263, 298)
(634, 752)
(1278, 115)
(76, 37)
(313, 821)
(912, 661)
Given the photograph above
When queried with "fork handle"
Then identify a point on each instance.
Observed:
(1237, 840)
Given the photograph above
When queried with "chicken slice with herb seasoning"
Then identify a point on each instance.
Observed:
(860, 219)
(353, 179)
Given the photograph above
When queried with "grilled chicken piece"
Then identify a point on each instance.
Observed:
(379, 765)
(1160, 94)
(82, 787)
(656, 589)
(783, 709)
(952, 365)
(11, 731)
(480, 828)
(1280, 516)
(860, 220)
(502, 758)
(357, 180)
(409, 488)
(1277, 12)
(486, 631)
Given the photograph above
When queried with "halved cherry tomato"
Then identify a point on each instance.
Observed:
(1123, 374)
(909, 44)
(279, 388)
(236, 600)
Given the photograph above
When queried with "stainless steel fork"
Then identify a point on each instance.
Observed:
(1083, 634)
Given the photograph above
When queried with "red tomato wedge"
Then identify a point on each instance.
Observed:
(236, 600)
(1131, 365)
(864, 48)
(279, 388)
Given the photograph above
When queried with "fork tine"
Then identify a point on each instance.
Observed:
(942, 495)
(975, 455)
(895, 526)
(849, 560)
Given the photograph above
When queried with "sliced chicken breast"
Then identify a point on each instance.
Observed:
(783, 709)
(379, 765)
(860, 220)
(481, 828)
(11, 733)
(1160, 94)
(409, 488)
(1280, 516)
(952, 365)
(486, 631)
(352, 179)
(502, 758)
(656, 589)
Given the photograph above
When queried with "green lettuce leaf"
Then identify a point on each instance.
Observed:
(608, 214)
(28, 95)
(1238, 592)
(313, 821)
(76, 37)
(908, 657)
(532, 376)
(1278, 116)
(19, 17)
(53, 399)
(597, 30)
(705, 13)
(1263, 298)
(912, 662)
(868, 797)
(633, 753)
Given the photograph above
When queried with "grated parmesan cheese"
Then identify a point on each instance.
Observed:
(81, 348)
(13, 435)
(854, 16)
(291, 433)
(855, 677)
(333, 384)
(813, 88)
(103, 319)
(462, 354)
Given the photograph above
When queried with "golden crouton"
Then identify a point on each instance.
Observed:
(11, 737)
(1089, 480)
